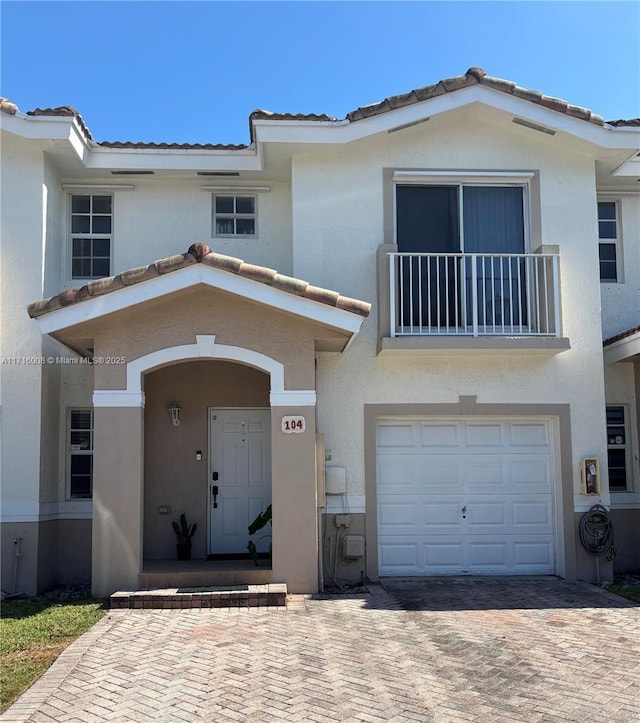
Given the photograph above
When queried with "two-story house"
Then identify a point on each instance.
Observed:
(413, 331)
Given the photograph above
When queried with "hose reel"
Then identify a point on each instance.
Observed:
(596, 532)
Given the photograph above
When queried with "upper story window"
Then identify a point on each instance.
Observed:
(608, 235)
(91, 236)
(80, 448)
(465, 218)
(234, 216)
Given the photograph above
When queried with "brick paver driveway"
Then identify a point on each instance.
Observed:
(443, 650)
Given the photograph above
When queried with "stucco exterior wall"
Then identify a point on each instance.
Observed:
(621, 301)
(117, 500)
(626, 526)
(160, 218)
(73, 565)
(19, 539)
(22, 212)
(173, 476)
(21, 207)
(176, 320)
(347, 224)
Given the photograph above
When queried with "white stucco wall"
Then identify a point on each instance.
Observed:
(23, 195)
(621, 301)
(338, 223)
(161, 218)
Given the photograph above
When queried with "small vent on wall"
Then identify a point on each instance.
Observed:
(408, 125)
(132, 173)
(219, 173)
(533, 126)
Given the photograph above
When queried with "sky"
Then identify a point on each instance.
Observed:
(192, 72)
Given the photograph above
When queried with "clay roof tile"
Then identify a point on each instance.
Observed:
(198, 253)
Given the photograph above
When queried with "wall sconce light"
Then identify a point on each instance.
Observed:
(174, 414)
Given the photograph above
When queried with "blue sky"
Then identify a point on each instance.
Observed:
(193, 71)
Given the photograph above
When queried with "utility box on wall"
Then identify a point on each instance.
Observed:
(335, 480)
(353, 547)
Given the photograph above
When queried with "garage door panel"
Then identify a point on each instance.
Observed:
(440, 474)
(398, 475)
(533, 555)
(442, 557)
(488, 555)
(532, 515)
(531, 474)
(400, 554)
(486, 475)
(395, 435)
(528, 436)
(399, 517)
(483, 435)
(439, 435)
(498, 472)
(492, 515)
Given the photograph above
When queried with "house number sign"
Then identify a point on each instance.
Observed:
(293, 425)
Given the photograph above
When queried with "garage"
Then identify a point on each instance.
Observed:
(465, 496)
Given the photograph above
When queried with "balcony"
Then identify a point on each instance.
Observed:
(458, 301)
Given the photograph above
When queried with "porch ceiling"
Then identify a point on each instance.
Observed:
(67, 316)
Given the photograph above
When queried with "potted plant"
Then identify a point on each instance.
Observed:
(184, 533)
(262, 520)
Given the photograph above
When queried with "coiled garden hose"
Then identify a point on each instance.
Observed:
(596, 532)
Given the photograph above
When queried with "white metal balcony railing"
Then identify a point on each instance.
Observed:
(474, 294)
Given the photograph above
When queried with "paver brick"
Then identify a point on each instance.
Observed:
(443, 651)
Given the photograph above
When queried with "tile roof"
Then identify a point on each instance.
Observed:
(198, 253)
(473, 76)
(621, 336)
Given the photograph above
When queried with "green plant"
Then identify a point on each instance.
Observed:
(262, 520)
(184, 531)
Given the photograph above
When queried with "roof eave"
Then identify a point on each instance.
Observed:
(623, 349)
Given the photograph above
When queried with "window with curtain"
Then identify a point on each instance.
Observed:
(469, 219)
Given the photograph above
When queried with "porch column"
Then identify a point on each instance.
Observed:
(293, 494)
(117, 492)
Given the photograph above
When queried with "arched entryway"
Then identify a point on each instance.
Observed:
(222, 443)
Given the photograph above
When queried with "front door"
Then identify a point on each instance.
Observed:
(239, 475)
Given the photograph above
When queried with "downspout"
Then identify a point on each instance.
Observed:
(321, 501)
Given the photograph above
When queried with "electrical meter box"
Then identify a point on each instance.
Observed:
(353, 547)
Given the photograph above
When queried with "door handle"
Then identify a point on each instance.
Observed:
(464, 512)
(214, 492)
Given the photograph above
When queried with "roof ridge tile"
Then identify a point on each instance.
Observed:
(474, 75)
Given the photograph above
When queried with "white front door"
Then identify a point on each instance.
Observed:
(465, 496)
(239, 475)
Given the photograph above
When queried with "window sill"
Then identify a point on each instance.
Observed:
(444, 345)
(625, 500)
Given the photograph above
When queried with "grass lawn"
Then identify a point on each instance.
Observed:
(32, 635)
(629, 591)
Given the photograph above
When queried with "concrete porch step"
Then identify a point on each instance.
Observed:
(212, 596)
(162, 574)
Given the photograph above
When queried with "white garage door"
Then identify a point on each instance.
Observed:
(464, 496)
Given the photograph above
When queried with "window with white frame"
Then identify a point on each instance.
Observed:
(608, 240)
(234, 215)
(80, 449)
(618, 448)
(91, 239)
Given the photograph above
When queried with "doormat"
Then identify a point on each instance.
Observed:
(214, 588)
